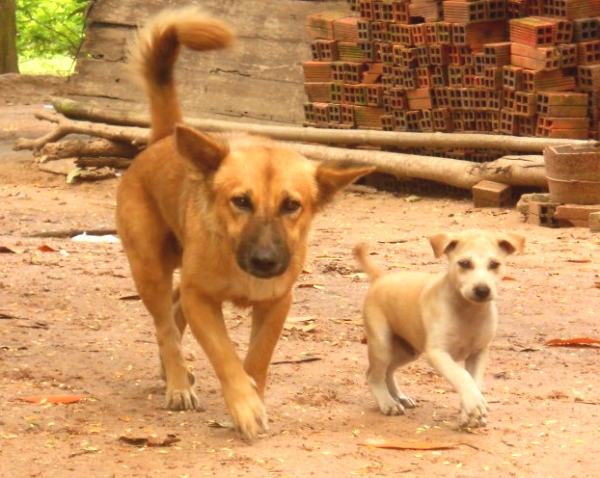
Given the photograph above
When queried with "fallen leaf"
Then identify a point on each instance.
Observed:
(306, 318)
(53, 399)
(46, 248)
(217, 424)
(301, 328)
(407, 445)
(579, 261)
(577, 341)
(150, 441)
(313, 286)
(6, 250)
(508, 278)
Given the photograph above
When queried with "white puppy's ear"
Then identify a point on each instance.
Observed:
(442, 243)
(511, 243)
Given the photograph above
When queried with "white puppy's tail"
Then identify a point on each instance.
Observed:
(361, 252)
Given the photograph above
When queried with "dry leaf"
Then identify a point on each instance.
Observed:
(579, 261)
(150, 441)
(46, 248)
(301, 328)
(53, 399)
(576, 341)
(306, 318)
(407, 445)
(6, 250)
(311, 285)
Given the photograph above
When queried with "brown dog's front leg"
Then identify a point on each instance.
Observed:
(268, 319)
(205, 319)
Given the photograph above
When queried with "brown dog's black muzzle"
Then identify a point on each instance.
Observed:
(263, 252)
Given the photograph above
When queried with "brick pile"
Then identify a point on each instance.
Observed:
(514, 67)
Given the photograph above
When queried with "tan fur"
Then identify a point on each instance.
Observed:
(232, 211)
(451, 317)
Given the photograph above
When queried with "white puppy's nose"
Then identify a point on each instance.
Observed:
(481, 291)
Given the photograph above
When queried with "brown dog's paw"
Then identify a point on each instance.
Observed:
(251, 421)
(181, 400)
(247, 410)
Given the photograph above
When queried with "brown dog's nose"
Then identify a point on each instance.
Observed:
(265, 264)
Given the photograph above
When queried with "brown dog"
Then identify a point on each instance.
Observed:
(233, 211)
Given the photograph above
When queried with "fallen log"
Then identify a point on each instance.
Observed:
(511, 170)
(131, 135)
(445, 141)
(88, 148)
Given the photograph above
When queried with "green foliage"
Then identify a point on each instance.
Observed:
(49, 28)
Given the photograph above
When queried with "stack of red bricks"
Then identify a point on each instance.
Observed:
(516, 67)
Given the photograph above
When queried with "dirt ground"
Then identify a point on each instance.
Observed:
(67, 328)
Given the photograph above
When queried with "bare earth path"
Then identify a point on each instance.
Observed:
(65, 328)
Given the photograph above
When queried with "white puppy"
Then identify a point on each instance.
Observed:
(450, 317)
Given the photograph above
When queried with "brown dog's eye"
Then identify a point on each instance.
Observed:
(465, 264)
(290, 206)
(243, 203)
(494, 265)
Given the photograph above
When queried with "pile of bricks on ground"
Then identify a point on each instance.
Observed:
(514, 67)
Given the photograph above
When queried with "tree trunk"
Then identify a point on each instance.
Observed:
(9, 60)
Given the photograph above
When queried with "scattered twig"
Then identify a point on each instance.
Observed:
(300, 360)
(73, 232)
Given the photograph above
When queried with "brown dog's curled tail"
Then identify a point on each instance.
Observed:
(361, 252)
(153, 54)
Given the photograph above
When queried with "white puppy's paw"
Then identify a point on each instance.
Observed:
(391, 408)
(405, 401)
(473, 411)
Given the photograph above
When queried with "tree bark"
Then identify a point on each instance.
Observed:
(9, 60)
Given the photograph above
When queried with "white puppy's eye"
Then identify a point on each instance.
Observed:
(494, 265)
(465, 264)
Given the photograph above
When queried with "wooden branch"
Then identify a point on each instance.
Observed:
(99, 147)
(132, 135)
(117, 162)
(88, 111)
(512, 170)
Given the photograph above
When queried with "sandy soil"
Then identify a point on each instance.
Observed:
(68, 328)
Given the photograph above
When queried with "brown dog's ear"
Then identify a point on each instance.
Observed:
(203, 152)
(511, 243)
(331, 180)
(442, 243)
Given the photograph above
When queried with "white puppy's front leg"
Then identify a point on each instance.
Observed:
(474, 408)
(475, 365)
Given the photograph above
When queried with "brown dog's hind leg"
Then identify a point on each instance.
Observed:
(155, 291)
(153, 260)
